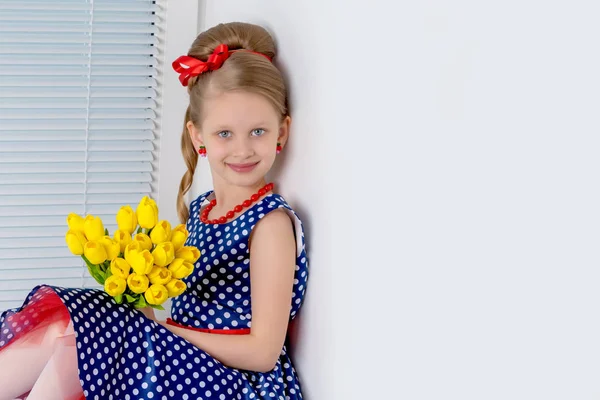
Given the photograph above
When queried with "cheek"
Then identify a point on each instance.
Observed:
(268, 145)
(215, 152)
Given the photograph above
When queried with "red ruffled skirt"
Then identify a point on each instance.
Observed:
(38, 353)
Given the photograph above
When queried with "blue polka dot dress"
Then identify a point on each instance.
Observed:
(123, 355)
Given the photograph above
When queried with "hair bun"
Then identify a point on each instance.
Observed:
(236, 35)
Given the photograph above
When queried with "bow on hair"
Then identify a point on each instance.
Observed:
(188, 67)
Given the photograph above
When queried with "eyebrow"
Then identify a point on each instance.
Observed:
(227, 128)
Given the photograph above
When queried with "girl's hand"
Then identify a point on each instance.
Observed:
(148, 312)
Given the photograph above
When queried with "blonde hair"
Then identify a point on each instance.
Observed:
(242, 71)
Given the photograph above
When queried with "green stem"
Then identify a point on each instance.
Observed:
(92, 269)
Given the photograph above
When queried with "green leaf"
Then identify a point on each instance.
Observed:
(108, 273)
(106, 232)
(94, 273)
(157, 307)
(118, 298)
(101, 278)
(139, 230)
(89, 264)
(141, 302)
(130, 299)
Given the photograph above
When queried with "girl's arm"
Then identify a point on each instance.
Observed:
(272, 266)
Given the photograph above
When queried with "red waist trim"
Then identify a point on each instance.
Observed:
(241, 331)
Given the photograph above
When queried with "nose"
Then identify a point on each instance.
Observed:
(242, 147)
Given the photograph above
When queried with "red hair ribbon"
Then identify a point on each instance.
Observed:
(188, 67)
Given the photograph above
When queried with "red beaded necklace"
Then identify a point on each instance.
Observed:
(245, 204)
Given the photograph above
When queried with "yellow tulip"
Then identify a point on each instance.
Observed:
(180, 268)
(175, 287)
(120, 267)
(156, 294)
(75, 241)
(75, 222)
(130, 248)
(163, 254)
(111, 246)
(147, 213)
(161, 232)
(126, 219)
(159, 275)
(178, 236)
(189, 253)
(137, 283)
(94, 251)
(123, 238)
(144, 240)
(115, 285)
(141, 261)
(93, 228)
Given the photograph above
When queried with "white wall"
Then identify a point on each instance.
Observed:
(181, 29)
(474, 132)
(444, 158)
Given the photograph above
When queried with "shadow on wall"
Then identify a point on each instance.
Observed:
(293, 340)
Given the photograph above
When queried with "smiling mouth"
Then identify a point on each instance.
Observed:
(247, 167)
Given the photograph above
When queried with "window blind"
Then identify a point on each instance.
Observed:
(78, 106)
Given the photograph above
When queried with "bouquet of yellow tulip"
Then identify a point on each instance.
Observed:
(145, 260)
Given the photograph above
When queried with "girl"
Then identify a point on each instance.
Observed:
(226, 336)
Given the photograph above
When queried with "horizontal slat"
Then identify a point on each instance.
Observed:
(25, 263)
(37, 253)
(91, 199)
(22, 232)
(60, 167)
(74, 188)
(33, 242)
(81, 93)
(61, 6)
(75, 103)
(70, 70)
(75, 177)
(77, 16)
(93, 135)
(83, 59)
(50, 124)
(78, 48)
(76, 146)
(28, 265)
(70, 113)
(14, 83)
(43, 273)
(77, 37)
(9, 158)
(79, 27)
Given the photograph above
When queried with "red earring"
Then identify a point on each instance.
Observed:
(202, 151)
(278, 150)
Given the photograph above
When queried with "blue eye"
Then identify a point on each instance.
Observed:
(224, 134)
(258, 132)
